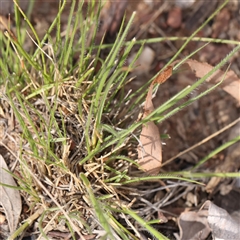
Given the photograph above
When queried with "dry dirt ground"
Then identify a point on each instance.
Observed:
(201, 119)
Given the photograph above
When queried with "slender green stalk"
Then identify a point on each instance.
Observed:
(96, 205)
(150, 229)
(216, 151)
(173, 39)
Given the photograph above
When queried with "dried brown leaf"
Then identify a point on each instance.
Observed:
(164, 76)
(150, 147)
(192, 225)
(223, 225)
(231, 82)
(9, 197)
(210, 218)
(150, 150)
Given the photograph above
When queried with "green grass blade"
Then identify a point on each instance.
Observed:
(216, 151)
(173, 39)
(109, 62)
(150, 229)
(96, 205)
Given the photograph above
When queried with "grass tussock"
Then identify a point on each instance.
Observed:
(76, 130)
